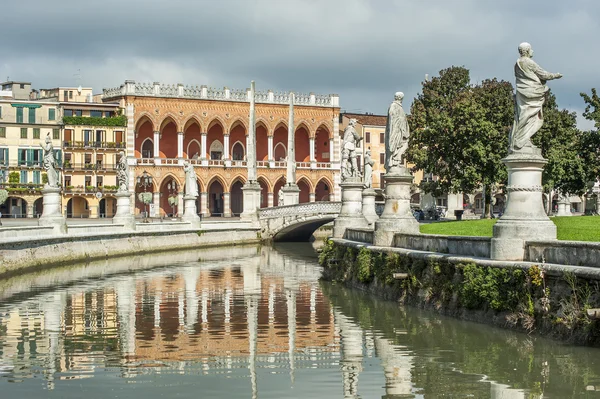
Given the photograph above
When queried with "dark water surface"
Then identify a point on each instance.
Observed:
(251, 322)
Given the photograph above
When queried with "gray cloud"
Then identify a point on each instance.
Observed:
(363, 50)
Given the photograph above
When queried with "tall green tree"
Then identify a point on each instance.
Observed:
(560, 142)
(590, 141)
(460, 131)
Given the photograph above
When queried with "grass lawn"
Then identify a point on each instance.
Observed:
(575, 228)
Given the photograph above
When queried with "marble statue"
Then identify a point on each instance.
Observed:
(280, 198)
(351, 140)
(122, 173)
(50, 163)
(191, 184)
(531, 92)
(397, 133)
(368, 170)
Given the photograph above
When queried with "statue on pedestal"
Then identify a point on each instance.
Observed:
(122, 173)
(397, 134)
(351, 140)
(191, 184)
(280, 198)
(529, 99)
(368, 170)
(50, 163)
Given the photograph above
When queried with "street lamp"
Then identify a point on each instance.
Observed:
(145, 180)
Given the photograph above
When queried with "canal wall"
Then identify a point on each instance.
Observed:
(26, 254)
(555, 300)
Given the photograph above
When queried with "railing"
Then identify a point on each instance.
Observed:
(216, 162)
(236, 163)
(323, 165)
(93, 144)
(239, 163)
(225, 94)
(22, 187)
(88, 166)
(262, 164)
(145, 161)
(89, 190)
(195, 161)
(305, 165)
(310, 208)
(169, 161)
(26, 164)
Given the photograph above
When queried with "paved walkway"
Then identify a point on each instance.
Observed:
(73, 221)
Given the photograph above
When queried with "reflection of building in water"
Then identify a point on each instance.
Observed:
(397, 365)
(502, 391)
(351, 347)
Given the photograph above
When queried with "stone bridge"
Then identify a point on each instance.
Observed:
(296, 222)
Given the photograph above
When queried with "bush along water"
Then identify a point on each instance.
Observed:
(526, 299)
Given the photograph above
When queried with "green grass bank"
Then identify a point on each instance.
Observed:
(573, 228)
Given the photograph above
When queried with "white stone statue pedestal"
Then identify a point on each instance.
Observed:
(123, 215)
(524, 217)
(397, 216)
(351, 212)
(564, 207)
(291, 194)
(190, 214)
(251, 192)
(368, 205)
(52, 212)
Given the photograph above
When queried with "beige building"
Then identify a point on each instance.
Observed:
(24, 124)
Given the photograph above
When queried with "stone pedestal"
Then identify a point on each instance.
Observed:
(291, 194)
(252, 192)
(51, 214)
(397, 216)
(368, 205)
(564, 207)
(190, 214)
(123, 215)
(524, 217)
(351, 212)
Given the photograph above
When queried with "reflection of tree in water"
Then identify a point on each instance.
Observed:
(451, 356)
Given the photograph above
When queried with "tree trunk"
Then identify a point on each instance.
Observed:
(486, 203)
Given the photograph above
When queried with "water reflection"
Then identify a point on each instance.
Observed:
(250, 321)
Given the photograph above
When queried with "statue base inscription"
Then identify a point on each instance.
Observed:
(190, 213)
(351, 212)
(397, 216)
(123, 215)
(368, 206)
(252, 191)
(52, 211)
(524, 217)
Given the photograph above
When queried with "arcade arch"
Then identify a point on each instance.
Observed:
(323, 190)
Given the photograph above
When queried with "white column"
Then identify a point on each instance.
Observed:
(251, 148)
(156, 144)
(156, 202)
(204, 204)
(270, 200)
(270, 149)
(226, 205)
(312, 197)
(125, 291)
(312, 149)
(331, 150)
(226, 146)
(203, 146)
(180, 145)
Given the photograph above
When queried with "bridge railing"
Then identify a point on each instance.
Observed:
(309, 208)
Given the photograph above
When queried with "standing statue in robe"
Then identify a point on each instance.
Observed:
(368, 170)
(351, 141)
(123, 173)
(191, 184)
(529, 99)
(397, 134)
(50, 163)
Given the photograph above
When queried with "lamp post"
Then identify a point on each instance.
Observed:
(145, 180)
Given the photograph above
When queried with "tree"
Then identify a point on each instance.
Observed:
(590, 141)
(560, 143)
(460, 132)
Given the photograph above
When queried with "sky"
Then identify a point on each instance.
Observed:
(363, 50)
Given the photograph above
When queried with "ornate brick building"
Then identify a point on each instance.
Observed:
(209, 127)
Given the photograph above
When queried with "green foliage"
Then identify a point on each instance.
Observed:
(172, 200)
(592, 108)
(14, 177)
(364, 263)
(497, 288)
(95, 121)
(145, 198)
(44, 178)
(560, 142)
(460, 132)
(3, 196)
(573, 308)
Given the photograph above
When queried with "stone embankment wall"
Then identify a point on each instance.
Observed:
(33, 253)
(554, 300)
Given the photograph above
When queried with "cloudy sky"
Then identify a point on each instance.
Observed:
(363, 50)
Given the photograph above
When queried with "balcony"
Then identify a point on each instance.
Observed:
(89, 190)
(233, 163)
(24, 164)
(22, 188)
(105, 145)
(89, 166)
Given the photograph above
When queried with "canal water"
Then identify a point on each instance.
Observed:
(250, 322)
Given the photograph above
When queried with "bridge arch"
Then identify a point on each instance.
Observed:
(296, 222)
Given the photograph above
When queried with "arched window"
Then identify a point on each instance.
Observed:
(216, 150)
(147, 149)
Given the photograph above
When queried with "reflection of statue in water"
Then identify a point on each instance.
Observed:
(351, 140)
(368, 170)
(396, 134)
(123, 173)
(50, 163)
(191, 184)
(529, 100)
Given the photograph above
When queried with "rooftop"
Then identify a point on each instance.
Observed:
(368, 119)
